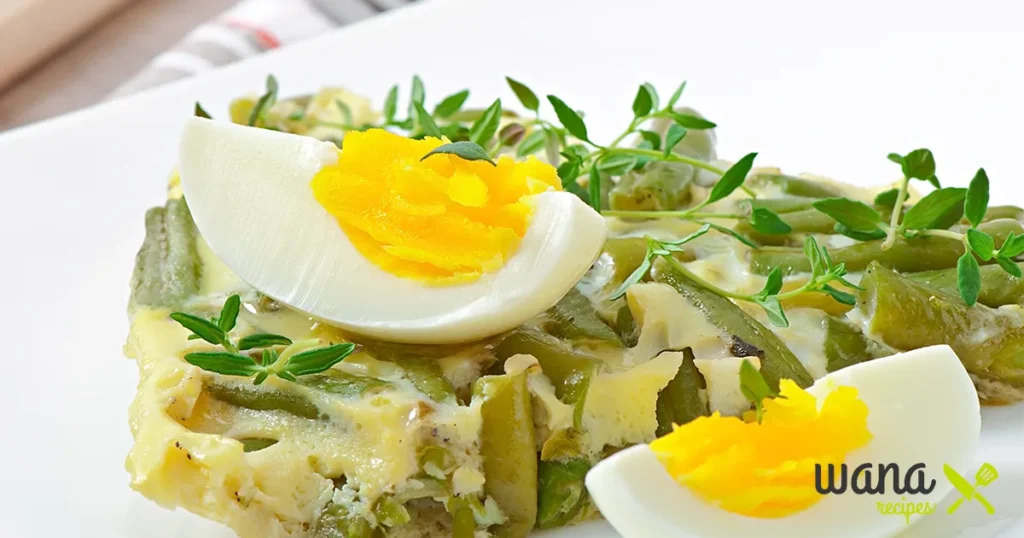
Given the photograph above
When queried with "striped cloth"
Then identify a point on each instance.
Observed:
(250, 28)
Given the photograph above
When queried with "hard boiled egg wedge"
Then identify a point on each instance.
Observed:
(377, 241)
(921, 408)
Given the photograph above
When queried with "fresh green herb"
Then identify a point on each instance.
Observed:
(887, 198)
(651, 137)
(200, 112)
(451, 104)
(486, 125)
(675, 96)
(569, 119)
(511, 134)
(644, 101)
(346, 111)
(823, 274)
(968, 277)
(976, 199)
(470, 151)
(425, 121)
(853, 215)
(692, 122)
(259, 111)
(417, 95)
(391, 104)
(594, 189)
(754, 387)
(532, 143)
(767, 222)
(731, 180)
(931, 209)
(287, 364)
(526, 97)
(673, 136)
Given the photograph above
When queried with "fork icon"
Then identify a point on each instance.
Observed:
(985, 476)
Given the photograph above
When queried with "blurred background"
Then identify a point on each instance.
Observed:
(62, 55)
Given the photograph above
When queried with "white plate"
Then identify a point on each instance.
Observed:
(819, 86)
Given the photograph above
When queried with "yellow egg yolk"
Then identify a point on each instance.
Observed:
(442, 220)
(766, 470)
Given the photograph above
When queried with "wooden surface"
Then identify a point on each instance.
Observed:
(91, 67)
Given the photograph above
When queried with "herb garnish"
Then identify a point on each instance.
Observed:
(823, 274)
(754, 387)
(299, 358)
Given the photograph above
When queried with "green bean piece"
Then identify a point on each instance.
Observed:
(426, 375)
(167, 266)
(796, 186)
(803, 221)
(336, 522)
(390, 513)
(626, 327)
(254, 444)
(344, 384)
(463, 523)
(562, 497)
(508, 447)
(750, 337)
(262, 399)
(998, 287)
(627, 253)
(680, 402)
(846, 345)
(907, 314)
(569, 370)
(659, 186)
(574, 318)
(1001, 212)
(906, 255)
(785, 204)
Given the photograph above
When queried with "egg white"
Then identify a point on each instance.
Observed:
(249, 193)
(923, 408)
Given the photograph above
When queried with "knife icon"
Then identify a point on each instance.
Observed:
(985, 476)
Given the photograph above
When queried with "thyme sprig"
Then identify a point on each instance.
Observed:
(298, 358)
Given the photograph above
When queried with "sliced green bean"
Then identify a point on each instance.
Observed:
(659, 186)
(262, 399)
(254, 444)
(167, 266)
(508, 447)
(680, 401)
(906, 255)
(907, 314)
(846, 345)
(569, 370)
(750, 337)
(344, 384)
(785, 204)
(335, 521)
(998, 287)
(796, 186)
(562, 497)
(427, 377)
(574, 318)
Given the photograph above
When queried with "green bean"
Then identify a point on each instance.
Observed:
(562, 498)
(389, 512)
(625, 326)
(906, 314)
(344, 384)
(659, 186)
(574, 318)
(846, 345)
(786, 204)
(262, 399)
(508, 447)
(998, 287)
(1002, 212)
(426, 375)
(569, 370)
(463, 523)
(906, 255)
(253, 444)
(627, 253)
(803, 221)
(680, 402)
(335, 521)
(796, 186)
(750, 337)
(167, 265)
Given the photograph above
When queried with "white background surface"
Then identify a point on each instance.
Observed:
(816, 86)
